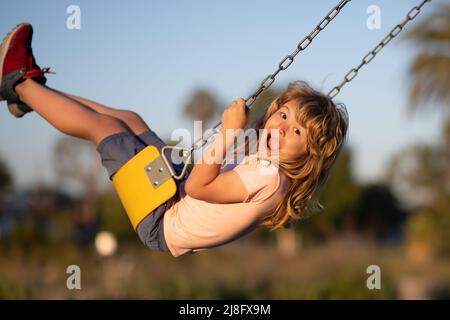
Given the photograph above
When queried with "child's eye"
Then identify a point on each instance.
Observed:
(297, 131)
(283, 114)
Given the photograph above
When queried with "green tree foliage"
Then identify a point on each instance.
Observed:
(422, 172)
(78, 169)
(113, 217)
(339, 198)
(379, 214)
(430, 70)
(426, 178)
(370, 210)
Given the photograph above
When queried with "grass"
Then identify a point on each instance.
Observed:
(241, 270)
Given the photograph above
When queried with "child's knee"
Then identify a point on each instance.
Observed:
(130, 116)
(111, 123)
(105, 126)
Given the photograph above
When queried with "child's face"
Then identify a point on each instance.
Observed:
(292, 136)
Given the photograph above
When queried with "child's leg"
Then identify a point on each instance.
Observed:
(135, 123)
(67, 115)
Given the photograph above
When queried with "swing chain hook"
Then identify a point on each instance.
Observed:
(186, 157)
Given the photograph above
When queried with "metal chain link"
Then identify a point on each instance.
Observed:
(283, 65)
(369, 57)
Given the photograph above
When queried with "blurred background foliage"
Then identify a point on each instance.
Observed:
(400, 223)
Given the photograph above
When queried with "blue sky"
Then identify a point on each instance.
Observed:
(149, 56)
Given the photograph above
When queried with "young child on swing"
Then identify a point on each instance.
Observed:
(215, 204)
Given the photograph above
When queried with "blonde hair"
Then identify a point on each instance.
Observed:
(326, 125)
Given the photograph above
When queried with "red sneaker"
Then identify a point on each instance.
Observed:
(17, 63)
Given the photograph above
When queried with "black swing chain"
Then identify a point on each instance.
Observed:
(414, 12)
(287, 61)
(283, 65)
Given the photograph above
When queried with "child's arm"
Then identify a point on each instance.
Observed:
(205, 181)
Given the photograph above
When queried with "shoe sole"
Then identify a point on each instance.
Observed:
(5, 46)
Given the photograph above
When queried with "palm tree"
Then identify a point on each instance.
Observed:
(202, 106)
(422, 172)
(430, 70)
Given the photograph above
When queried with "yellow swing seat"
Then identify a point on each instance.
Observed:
(144, 183)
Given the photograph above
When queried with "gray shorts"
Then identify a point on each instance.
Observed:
(115, 150)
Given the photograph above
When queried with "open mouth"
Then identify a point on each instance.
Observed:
(272, 145)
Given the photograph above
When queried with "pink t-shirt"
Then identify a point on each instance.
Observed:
(192, 225)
